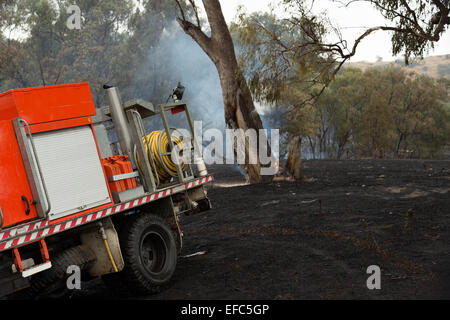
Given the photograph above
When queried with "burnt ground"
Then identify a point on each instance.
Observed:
(315, 239)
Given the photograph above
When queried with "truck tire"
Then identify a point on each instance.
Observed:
(150, 253)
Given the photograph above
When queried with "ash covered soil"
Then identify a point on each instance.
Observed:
(315, 239)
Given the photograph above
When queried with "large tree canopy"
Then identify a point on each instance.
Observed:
(416, 25)
(276, 50)
(289, 64)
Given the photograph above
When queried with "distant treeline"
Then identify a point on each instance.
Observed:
(384, 113)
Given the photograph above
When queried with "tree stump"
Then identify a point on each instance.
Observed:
(294, 158)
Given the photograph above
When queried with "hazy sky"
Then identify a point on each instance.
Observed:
(349, 20)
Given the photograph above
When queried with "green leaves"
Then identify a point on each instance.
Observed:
(275, 52)
(416, 25)
(111, 46)
(384, 112)
(288, 63)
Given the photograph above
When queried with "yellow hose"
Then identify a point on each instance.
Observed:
(165, 168)
(108, 250)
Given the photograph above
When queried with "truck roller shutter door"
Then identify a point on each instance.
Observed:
(72, 170)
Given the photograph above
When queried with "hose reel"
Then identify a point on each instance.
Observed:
(160, 154)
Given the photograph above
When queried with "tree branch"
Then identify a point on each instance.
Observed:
(180, 8)
(197, 34)
(219, 28)
(194, 7)
(194, 31)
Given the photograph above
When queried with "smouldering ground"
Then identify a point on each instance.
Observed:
(315, 239)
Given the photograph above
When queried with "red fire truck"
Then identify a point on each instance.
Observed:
(91, 188)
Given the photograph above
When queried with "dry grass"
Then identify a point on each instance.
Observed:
(428, 66)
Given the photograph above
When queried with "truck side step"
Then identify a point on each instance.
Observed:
(36, 269)
(27, 267)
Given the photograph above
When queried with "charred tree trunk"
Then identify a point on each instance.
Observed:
(240, 112)
(400, 140)
(293, 163)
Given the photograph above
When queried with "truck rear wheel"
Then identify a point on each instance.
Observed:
(150, 253)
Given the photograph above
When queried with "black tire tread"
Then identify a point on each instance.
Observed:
(131, 274)
(41, 282)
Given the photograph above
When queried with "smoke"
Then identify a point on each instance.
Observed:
(182, 60)
(190, 65)
(198, 74)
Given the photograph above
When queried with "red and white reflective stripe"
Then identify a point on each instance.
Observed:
(34, 231)
(198, 182)
(14, 232)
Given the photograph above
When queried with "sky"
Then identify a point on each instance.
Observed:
(349, 20)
